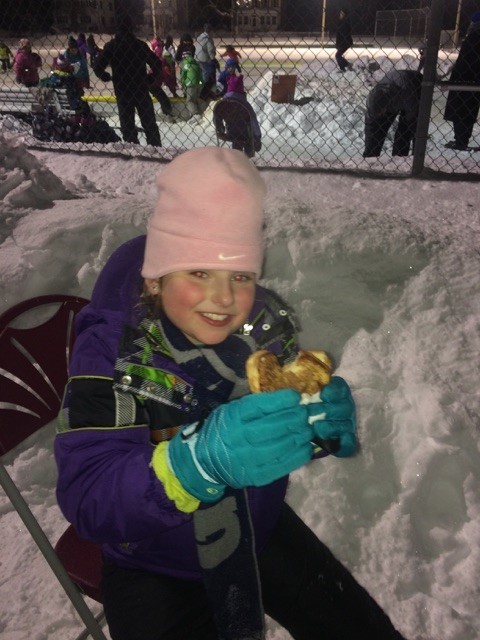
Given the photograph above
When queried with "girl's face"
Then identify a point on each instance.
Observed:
(206, 305)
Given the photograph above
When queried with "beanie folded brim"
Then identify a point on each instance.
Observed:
(205, 255)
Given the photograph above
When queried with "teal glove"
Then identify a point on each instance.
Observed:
(247, 442)
(333, 418)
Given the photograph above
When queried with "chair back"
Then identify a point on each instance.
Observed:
(36, 338)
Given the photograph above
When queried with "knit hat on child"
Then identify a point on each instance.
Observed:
(209, 214)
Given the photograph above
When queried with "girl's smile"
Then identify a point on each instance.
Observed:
(206, 305)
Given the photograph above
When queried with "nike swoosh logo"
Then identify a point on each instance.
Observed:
(221, 256)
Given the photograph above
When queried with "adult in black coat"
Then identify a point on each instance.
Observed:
(127, 56)
(343, 40)
(462, 106)
(397, 94)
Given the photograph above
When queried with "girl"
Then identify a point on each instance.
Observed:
(79, 63)
(164, 457)
(26, 64)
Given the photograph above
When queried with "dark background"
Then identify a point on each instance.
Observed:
(27, 17)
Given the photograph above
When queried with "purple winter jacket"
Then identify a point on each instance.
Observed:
(106, 487)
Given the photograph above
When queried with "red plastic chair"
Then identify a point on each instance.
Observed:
(36, 338)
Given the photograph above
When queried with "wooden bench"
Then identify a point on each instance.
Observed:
(179, 105)
(22, 101)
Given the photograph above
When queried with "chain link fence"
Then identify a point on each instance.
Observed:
(331, 86)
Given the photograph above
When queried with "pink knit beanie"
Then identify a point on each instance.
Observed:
(209, 214)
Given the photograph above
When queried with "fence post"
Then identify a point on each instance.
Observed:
(429, 77)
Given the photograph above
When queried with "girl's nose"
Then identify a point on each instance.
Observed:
(222, 292)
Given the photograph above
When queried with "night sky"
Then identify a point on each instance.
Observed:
(30, 16)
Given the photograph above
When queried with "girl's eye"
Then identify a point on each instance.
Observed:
(198, 274)
(242, 277)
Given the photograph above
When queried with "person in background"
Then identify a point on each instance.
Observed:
(79, 63)
(169, 46)
(62, 76)
(169, 75)
(5, 55)
(93, 49)
(82, 45)
(223, 75)
(167, 460)
(240, 130)
(155, 86)
(186, 43)
(396, 94)
(343, 40)
(205, 55)
(128, 58)
(156, 81)
(462, 107)
(26, 64)
(157, 47)
(232, 54)
(191, 79)
(422, 50)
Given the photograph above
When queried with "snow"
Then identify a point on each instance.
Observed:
(384, 274)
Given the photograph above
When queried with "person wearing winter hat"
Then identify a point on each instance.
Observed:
(165, 458)
(63, 76)
(230, 67)
(245, 131)
(78, 60)
(191, 78)
(61, 63)
(26, 64)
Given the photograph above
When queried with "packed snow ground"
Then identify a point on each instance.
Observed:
(385, 276)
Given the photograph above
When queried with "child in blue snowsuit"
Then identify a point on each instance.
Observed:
(166, 459)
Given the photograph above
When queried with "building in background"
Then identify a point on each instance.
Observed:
(258, 15)
(239, 16)
(166, 16)
(159, 17)
(88, 16)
